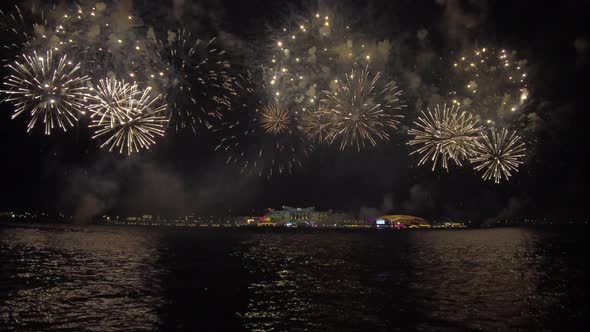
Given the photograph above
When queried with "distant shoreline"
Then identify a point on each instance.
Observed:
(267, 229)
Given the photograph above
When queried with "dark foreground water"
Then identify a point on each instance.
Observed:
(119, 278)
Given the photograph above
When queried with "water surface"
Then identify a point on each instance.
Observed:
(132, 278)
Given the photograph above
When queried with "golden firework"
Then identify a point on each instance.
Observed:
(316, 125)
(493, 82)
(275, 118)
(498, 154)
(363, 109)
(50, 90)
(129, 118)
(444, 134)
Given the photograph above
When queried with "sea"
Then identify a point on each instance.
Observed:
(125, 278)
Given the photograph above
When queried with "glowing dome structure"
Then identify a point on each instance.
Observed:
(401, 221)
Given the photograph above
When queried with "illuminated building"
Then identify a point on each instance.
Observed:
(299, 215)
(291, 215)
(400, 221)
(321, 218)
(266, 222)
(449, 224)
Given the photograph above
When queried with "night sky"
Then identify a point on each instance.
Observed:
(182, 174)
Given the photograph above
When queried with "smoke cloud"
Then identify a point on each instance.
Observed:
(387, 206)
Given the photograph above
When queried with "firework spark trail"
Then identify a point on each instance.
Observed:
(105, 37)
(256, 150)
(129, 118)
(307, 56)
(197, 77)
(48, 89)
(194, 74)
(13, 24)
(498, 154)
(363, 109)
(493, 82)
(444, 134)
(21, 26)
(316, 125)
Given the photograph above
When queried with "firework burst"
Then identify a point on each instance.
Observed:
(254, 143)
(106, 38)
(316, 125)
(444, 134)
(128, 118)
(275, 119)
(364, 109)
(498, 154)
(50, 90)
(493, 82)
(196, 77)
(309, 53)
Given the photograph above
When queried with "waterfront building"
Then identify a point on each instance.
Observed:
(449, 224)
(299, 215)
(291, 215)
(400, 221)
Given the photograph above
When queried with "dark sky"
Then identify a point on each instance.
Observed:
(182, 174)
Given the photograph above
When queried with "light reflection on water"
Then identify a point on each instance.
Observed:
(111, 278)
(70, 278)
(492, 279)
